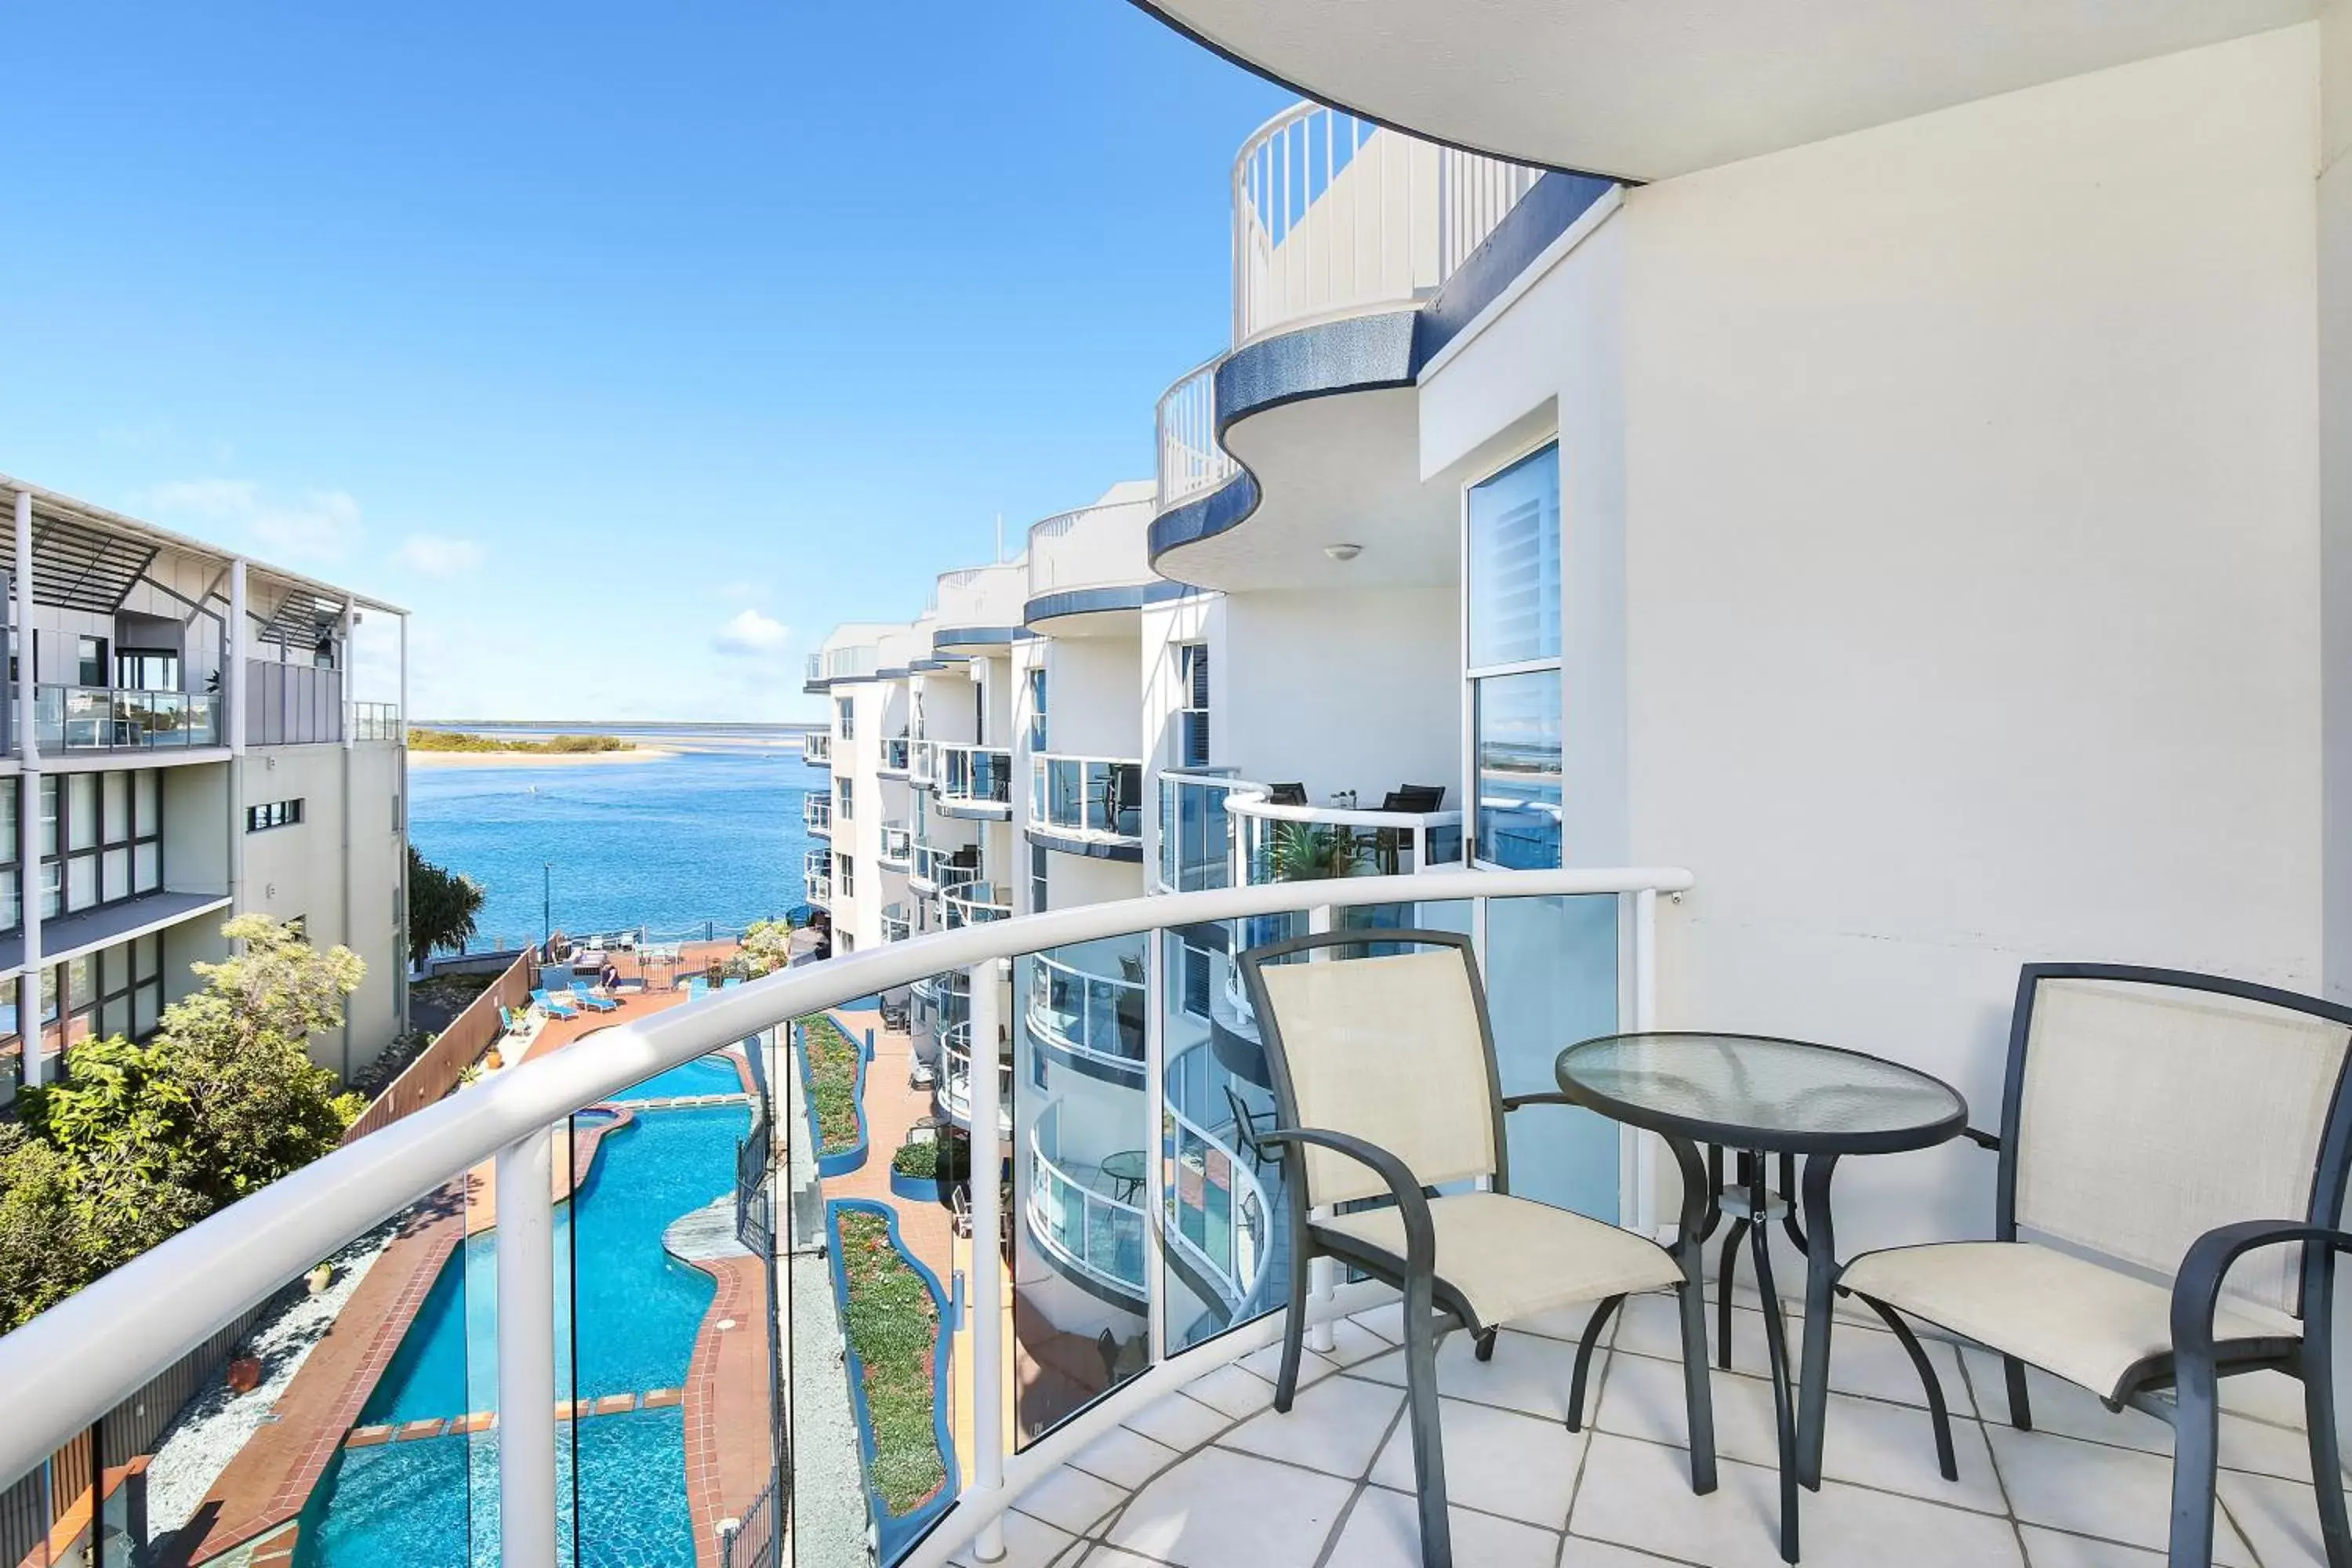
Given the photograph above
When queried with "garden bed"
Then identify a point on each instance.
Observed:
(891, 1318)
(832, 1065)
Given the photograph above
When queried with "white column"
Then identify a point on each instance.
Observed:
(28, 803)
(343, 673)
(525, 1348)
(233, 694)
(988, 1351)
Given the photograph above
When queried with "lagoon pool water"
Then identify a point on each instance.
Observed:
(637, 1311)
(713, 1074)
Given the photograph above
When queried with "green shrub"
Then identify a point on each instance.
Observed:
(947, 1157)
(832, 1083)
(893, 1324)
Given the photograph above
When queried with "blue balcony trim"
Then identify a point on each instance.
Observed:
(978, 637)
(1082, 602)
(1540, 216)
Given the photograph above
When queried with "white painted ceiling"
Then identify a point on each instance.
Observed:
(1339, 469)
(1649, 89)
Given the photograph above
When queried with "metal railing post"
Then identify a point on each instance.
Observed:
(1645, 1016)
(988, 1308)
(1321, 1273)
(525, 1178)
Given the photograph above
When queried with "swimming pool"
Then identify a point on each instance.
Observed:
(433, 1500)
(713, 1074)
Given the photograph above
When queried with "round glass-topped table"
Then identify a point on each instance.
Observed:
(1759, 1095)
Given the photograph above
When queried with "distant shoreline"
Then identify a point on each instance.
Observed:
(417, 759)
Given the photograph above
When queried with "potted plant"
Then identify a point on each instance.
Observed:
(1304, 853)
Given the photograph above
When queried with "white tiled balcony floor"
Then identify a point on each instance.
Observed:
(1214, 1478)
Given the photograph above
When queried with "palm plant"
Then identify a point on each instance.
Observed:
(1304, 853)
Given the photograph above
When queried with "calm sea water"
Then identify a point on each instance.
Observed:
(665, 845)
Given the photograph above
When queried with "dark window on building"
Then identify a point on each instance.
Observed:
(1192, 719)
(91, 665)
(277, 814)
(146, 670)
(1196, 982)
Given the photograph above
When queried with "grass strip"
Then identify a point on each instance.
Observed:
(832, 1083)
(893, 1324)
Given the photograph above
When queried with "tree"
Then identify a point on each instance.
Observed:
(442, 908)
(136, 1141)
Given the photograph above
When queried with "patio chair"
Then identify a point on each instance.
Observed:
(1385, 1086)
(1417, 799)
(2176, 1125)
(1287, 793)
(587, 998)
(555, 1006)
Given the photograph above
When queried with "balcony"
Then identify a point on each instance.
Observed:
(977, 610)
(1088, 568)
(895, 757)
(816, 813)
(1192, 462)
(972, 903)
(931, 867)
(974, 781)
(816, 872)
(898, 846)
(955, 1080)
(1196, 833)
(1094, 1020)
(816, 748)
(1221, 1212)
(1085, 1230)
(853, 662)
(922, 763)
(1087, 805)
(371, 721)
(897, 924)
(107, 719)
(1297, 843)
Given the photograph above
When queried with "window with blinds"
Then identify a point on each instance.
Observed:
(1192, 719)
(1513, 677)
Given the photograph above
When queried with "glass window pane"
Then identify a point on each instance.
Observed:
(146, 869)
(114, 1017)
(52, 886)
(81, 881)
(9, 837)
(115, 797)
(145, 784)
(11, 915)
(81, 811)
(1515, 562)
(147, 958)
(1551, 980)
(81, 977)
(48, 992)
(49, 837)
(1518, 777)
(146, 1006)
(117, 878)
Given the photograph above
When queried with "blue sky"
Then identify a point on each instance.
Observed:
(629, 346)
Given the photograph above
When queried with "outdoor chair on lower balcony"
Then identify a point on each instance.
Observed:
(1385, 1088)
(2193, 1133)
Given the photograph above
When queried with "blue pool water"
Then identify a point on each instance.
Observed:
(413, 1502)
(665, 845)
(705, 1074)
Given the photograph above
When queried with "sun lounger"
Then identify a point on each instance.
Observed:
(589, 1000)
(555, 1006)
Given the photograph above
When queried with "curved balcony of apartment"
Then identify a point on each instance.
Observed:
(897, 922)
(816, 815)
(1218, 830)
(931, 866)
(1087, 1224)
(1221, 1208)
(1087, 805)
(1647, 93)
(897, 850)
(817, 746)
(896, 758)
(972, 781)
(816, 875)
(972, 903)
(853, 653)
(1088, 1016)
(1293, 461)
(1090, 569)
(922, 763)
(977, 611)
(954, 1091)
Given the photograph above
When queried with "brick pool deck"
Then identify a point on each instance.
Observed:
(250, 1509)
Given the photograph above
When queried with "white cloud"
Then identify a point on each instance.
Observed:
(750, 632)
(436, 556)
(322, 526)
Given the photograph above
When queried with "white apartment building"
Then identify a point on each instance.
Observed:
(182, 746)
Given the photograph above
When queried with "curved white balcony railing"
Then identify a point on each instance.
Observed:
(1107, 545)
(1333, 214)
(972, 777)
(816, 872)
(1084, 1230)
(933, 868)
(1196, 830)
(898, 846)
(1289, 843)
(922, 763)
(69, 1367)
(816, 813)
(1097, 1017)
(895, 758)
(1097, 800)
(981, 596)
(1218, 1212)
(817, 747)
(897, 925)
(1191, 461)
(955, 1080)
(971, 904)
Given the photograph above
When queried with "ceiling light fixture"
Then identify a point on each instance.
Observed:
(1343, 551)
